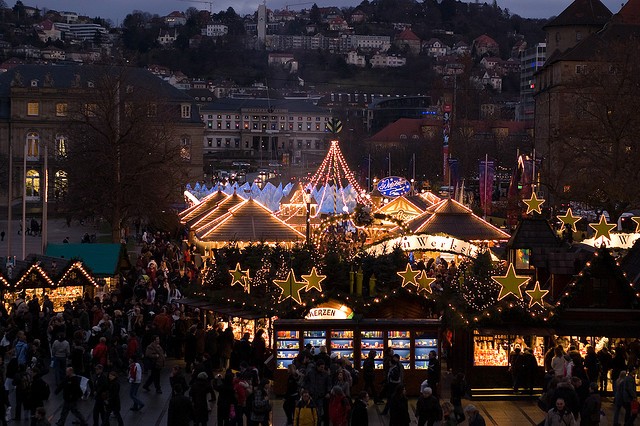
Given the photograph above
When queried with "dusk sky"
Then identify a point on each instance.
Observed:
(116, 10)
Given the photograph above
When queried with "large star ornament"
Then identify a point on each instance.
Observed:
(636, 219)
(238, 276)
(533, 204)
(313, 280)
(409, 276)
(569, 219)
(536, 295)
(511, 283)
(290, 287)
(603, 228)
(424, 282)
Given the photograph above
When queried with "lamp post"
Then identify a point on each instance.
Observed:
(307, 200)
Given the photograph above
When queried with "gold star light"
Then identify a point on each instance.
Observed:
(533, 204)
(424, 282)
(290, 287)
(511, 283)
(569, 219)
(238, 276)
(536, 295)
(636, 219)
(603, 228)
(408, 276)
(313, 280)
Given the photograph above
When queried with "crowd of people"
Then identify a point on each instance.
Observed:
(573, 385)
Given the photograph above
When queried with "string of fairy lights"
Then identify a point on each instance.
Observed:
(488, 295)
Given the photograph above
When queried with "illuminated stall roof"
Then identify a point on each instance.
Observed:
(38, 271)
(249, 221)
(449, 217)
(205, 222)
(195, 212)
(405, 207)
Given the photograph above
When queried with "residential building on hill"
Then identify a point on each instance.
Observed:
(530, 62)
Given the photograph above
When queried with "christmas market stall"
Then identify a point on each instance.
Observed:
(107, 262)
(61, 280)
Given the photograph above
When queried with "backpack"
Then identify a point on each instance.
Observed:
(133, 372)
(260, 404)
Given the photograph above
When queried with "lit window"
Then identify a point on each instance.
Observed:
(185, 111)
(185, 148)
(61, 147)
(33, 146)
(61, 109)
(32, 183)
(33, 109)
(90, 110)
(60, 185)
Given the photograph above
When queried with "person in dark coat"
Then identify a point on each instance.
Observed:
(604, 357)
(199, 395)
(71, 393)
(399, 408)
(592, 365)
(359, 415)
(433, 373)
(180, 411)
(515, 367)
(529, 369)
(226, 396)
(459, 390)
(428, 408)
(100, 385)
(474, 416)
(369, 375)
(113, 398)
(190, 351)
(590, 414)
(39, 389)
(177, 378)
(242, 351)
(4, 403)
(291, 395)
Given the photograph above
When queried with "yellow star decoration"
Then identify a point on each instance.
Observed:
(424, 282)
(511, 283)
(603, 228)
(636, 219)
(533, 204)
(313, 280)
(569, 219)
(408, 276)
(290, 287)
(536, 295)
(238, 276)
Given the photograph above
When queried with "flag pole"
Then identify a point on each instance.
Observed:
(486, 170)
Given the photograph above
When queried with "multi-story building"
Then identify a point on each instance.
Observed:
(381, 60)
(36, 109)
(369, 42)
(530, 62)
(81, 32)
(215, 30)
(265, 129)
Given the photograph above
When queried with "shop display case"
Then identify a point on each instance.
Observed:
(494, 350)
(342, 344)
(400, 342)
(372, 340)
(317, 338)
(424, 343)
(287, 347)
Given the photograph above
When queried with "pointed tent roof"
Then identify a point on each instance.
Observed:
(582, 13)
(411, 204)
(205, 205)
(532, 233)
(250, 221)
(452, 218)
(204, 222)
(295, 196)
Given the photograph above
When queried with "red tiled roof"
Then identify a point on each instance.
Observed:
(407, 35)
(630, 13)
(582, 12)
(485, 40)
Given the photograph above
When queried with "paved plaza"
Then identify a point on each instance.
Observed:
(505, 412)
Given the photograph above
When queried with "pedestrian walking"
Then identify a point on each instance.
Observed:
(199, 392)
(474, 416)
(369, 375)
(100, 391)
(399, 408)
(60, 351)
(135, 379)
(71, 394)
(40, 418)
(339, 407)
(306, 413)
(155, 353)
(560, 415)
(112, 403)
(428, 408)
(180, 411)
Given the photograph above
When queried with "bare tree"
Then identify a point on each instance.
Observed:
(596, 154)
(124, 159)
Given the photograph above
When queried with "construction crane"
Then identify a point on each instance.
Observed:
(210, 3)
(286, 6)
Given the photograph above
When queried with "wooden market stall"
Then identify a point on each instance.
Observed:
(62, 280)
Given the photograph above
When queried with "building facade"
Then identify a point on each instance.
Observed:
(286, 131)
(530, 62)
(36, 110)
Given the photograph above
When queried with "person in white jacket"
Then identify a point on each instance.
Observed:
(135, 379)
